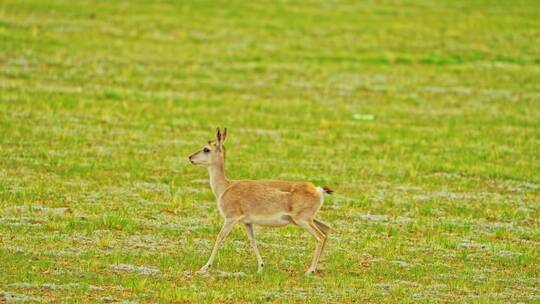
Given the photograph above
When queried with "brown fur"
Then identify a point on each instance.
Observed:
(265, 202)
(249, 199)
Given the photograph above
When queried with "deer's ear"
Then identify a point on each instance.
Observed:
(218, 136)
(224, 136)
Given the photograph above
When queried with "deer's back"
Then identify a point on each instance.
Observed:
(264, 198)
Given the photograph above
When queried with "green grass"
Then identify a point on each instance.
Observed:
(437, 198)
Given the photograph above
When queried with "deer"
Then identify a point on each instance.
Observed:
(267, 203)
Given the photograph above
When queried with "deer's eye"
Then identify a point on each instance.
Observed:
(206, 150)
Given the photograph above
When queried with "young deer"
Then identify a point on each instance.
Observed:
(264, 203)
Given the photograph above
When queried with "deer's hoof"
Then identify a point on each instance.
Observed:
(203, 270)
(309, 272)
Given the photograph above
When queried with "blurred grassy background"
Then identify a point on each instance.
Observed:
(436, 197)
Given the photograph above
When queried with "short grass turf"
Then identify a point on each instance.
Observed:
(423, 116)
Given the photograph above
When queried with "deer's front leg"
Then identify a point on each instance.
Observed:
(251, 235)
(227, 227)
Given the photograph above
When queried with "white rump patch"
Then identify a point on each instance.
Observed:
(321, 190)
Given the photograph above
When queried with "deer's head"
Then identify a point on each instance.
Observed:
(211, 154)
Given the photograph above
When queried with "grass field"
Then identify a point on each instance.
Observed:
(423, 116)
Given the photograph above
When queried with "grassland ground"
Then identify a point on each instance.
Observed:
(421, 115)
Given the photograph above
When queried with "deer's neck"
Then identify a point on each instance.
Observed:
(218, 179)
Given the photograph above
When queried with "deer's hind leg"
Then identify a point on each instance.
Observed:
(305, 202)
(310, 227)
(324, 228)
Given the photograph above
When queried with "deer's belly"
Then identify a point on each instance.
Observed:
(277, 220)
